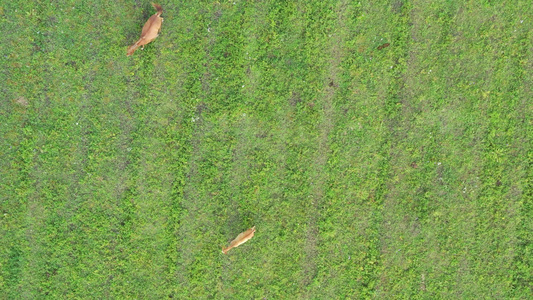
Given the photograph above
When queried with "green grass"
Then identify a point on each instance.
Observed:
(399, 173)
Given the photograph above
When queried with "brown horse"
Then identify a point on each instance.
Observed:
(150, 30)
(240, 239)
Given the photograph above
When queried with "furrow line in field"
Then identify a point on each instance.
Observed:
(197, 217)
(320, 175)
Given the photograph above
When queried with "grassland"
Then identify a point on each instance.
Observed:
(403, 172)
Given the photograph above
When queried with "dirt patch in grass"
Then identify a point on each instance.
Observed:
(22, 101)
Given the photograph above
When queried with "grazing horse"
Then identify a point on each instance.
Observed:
(240, 239)
(151, 29)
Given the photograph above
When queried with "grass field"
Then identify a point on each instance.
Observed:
(402, 172)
